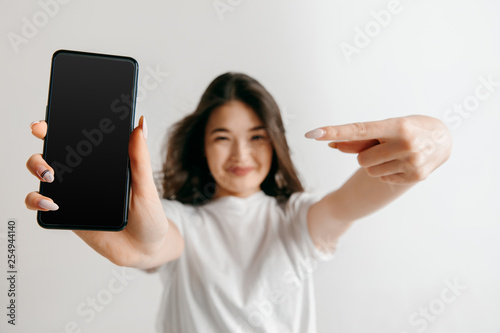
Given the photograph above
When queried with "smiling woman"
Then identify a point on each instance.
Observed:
(232, 192)
(232, 144)
(238, 153)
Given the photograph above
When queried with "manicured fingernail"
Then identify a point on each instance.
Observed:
(333, 144)
(46, 204)
(45, 174)
(144, 128)
(314, 134)
(34, 122)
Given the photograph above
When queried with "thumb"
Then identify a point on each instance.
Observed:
(140, 162)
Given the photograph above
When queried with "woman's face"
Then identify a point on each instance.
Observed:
(238, 150)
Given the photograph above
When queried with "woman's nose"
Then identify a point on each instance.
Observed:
(241, 149)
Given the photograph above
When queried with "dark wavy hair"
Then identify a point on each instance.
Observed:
(185, 175)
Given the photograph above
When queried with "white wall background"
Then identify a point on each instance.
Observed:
(393, 263)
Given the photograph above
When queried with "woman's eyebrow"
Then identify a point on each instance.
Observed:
(257, 128)
(218, 130)
(221, 129)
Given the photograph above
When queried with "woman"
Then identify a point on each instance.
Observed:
(233, 235)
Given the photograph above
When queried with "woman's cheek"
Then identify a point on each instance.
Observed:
(218, 159)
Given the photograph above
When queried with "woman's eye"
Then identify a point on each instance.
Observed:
(258, 137)
(220, 138)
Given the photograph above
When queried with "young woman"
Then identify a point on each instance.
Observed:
(233, 234)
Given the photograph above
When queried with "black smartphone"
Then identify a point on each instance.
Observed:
(90, 114)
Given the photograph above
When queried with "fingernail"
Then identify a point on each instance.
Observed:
(314, 134)
(45, 173)
(34, 122)
(144, 128)
(46, 204)
(333, 144)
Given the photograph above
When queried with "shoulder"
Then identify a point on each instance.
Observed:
(178, 213)
(176, 205)
(300, 200)
(298, 204)
(296, 211)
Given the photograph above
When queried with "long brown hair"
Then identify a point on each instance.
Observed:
(185, 175)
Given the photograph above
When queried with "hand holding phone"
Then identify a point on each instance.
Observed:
(147, 224)
(90, 114)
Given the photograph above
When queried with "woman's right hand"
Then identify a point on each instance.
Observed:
(144, 238)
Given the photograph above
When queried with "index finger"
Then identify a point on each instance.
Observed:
(39, 129)
(355, 131)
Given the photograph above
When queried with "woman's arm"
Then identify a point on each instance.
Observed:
(394, 155)
(361, 195)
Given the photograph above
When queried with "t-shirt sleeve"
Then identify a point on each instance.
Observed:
(297, 208)
(176, 213)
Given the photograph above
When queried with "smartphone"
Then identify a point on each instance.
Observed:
(90, 114)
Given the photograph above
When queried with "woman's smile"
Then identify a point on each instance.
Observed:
(240, 171)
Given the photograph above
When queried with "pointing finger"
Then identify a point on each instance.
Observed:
(354, 131)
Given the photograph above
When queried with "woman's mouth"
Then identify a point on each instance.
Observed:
(240, 171)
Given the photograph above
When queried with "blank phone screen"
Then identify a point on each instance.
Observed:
(90, 116)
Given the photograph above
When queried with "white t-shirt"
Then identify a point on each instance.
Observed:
(246, 267)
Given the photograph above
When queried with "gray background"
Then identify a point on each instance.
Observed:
(429, 57)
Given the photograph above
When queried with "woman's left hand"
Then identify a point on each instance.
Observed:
(401, 150)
